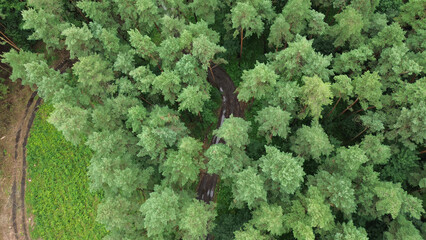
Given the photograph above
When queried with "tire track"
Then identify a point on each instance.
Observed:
(23, 176)
(13, 196)
(24, 168)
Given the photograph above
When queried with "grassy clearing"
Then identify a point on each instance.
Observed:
(57, 192)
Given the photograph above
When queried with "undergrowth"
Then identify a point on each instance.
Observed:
(57, 192)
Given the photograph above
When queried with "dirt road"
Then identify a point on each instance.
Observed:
(14, 222)
(23, 105)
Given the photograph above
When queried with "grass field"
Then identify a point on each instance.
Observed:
(57, 192)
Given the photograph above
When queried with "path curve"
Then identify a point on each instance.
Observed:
(230, 106)
(18, 222)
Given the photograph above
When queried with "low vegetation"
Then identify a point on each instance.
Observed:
(58, 190)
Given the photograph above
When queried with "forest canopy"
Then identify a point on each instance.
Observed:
(329, 147)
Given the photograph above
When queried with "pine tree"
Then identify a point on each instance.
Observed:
(282, 168)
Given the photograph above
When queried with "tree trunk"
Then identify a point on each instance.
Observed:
(242, 38)
(156, 26)
(363, 109)
(335, 105)
(365, 129)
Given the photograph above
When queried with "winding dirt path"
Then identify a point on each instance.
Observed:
(230, 106)
(218, 78)
(13, 218)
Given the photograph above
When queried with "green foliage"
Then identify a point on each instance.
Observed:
(319, 210)
(183, 166)
(249, 188)
(234, 131)
(311, 142)
(257, 82)
(196, 216)
(400, 166)
(282, 168)
(377, 152)
(245, 18)
(300, 59)
(192, 99)
(410, 125)
(71, 121)
(348, 28)
(93, 73)
(349, 231)
(295, 219)
(338, 189)
(162, 130)
(78, 41)
(297, 17)
(58, 188)
(17, 61)
(412, 14)
(160, 213)
(280, 32)
(140, 97)
(368, 89)
(221, 162)
(342, 87)
(389, 36)
(269, 218)
(10, 13)
(249, 233)
(47, 26)
(273, 122)
(315, 94)
(401, 228)
(353, 61)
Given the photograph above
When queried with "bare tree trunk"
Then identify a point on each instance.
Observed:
(242, 38)
(335, 105)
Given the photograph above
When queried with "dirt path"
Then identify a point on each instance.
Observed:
(23, 105)
(230, 106)
(14, 222)
(206, 188)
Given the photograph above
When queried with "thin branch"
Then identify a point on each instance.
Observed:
(356, 100)
(5, 69)
(365, 129)
(146, 101)
(211, 71)
(304, 109)
(8, 39)
(363, 109)
(10, 42)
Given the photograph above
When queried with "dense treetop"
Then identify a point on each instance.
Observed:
(335, 113)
